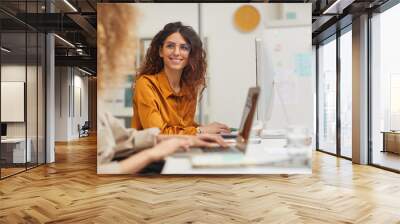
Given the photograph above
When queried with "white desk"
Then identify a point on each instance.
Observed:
(17, 148)
(268, 148)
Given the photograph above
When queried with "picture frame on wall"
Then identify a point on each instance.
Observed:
(144, 44)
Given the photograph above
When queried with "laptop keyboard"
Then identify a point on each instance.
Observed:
(220, 150)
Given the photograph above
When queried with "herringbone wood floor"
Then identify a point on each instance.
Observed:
(70, 191)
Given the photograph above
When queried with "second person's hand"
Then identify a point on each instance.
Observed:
(215, 128)
(169, 146)
(208, 141)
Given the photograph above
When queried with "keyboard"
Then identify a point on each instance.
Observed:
(229, 136)
(202, 151)
(230, 149)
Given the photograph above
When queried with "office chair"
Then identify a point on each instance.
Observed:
(84, 130)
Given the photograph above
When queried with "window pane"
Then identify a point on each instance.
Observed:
(346, 94)
(327, 97)
(386, 89)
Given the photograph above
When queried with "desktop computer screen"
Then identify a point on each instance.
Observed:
(3, 130)
(265, 74)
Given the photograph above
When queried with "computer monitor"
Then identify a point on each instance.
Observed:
(3, 129)
(265, 73)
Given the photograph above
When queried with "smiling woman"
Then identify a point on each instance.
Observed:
(169, 82)
(120, 149)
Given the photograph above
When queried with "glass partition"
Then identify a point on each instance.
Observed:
(32, 87)
(13, 87)
(31, 97)
(41, 109)
(22, 79)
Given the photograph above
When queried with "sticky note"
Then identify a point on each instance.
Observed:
(291, 15)
(303, 64)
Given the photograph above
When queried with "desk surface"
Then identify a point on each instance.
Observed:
(13, 140)
(390, 132)
(268, 148)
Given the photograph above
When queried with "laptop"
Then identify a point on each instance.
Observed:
(243, 136)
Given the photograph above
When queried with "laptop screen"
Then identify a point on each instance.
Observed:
(247, 118)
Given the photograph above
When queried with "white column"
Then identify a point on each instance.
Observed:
(50, 99)
(50, 92)
(360, 90)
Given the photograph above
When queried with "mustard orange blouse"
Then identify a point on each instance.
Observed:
(155, 104)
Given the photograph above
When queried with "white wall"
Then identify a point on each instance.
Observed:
(85, 99)
(80, 101)
(231, 62)
(34, 124)
(154, 16)
(14, 73)
(61, 103)
(68, 83)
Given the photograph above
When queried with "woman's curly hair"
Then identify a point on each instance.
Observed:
(116, 41)
(194, 74)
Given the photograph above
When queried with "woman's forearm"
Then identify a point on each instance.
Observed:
(136, 162)
(162, 137)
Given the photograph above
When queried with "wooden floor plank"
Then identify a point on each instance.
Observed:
(70, 191)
